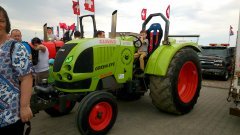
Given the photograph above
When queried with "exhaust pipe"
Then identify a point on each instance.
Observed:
(114, 24)
(45, 39)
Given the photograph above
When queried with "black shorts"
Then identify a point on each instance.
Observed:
(13, 129)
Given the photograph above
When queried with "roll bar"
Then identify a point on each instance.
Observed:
(94, 25)
(166, 32)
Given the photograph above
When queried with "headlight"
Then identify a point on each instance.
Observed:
(68, 76)
(218, 64)
(218, 61)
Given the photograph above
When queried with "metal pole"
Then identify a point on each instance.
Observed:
(114, 24)
(229, 38)
(237, 63)
(94, 7)
(77, 27)
(45, 38)
(238, 32)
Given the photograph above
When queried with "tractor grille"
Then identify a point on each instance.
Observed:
(84, 63)
(103, 54)
(61, 56)
(83, 84)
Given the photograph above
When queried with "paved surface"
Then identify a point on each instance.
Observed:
(209, 117)
(215, 83)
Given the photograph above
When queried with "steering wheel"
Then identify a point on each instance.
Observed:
(137, 42)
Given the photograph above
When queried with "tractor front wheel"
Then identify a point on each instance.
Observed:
(97, 113)
(178, 91)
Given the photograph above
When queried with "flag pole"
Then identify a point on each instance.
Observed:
(77, 27)
(58, 32)
(94, 7)
(229, 37)
(238, 31)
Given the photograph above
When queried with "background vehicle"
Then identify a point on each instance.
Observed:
(217, 59)
(92, 70)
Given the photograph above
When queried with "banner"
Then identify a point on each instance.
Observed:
(63, 26)
(76, 8)
(168, 12)
(144, 14)
(72, 27)
(89, 5)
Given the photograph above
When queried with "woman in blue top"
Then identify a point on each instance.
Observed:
(15, 66)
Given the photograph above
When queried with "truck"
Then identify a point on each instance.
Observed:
(217, 60)
(96, 71)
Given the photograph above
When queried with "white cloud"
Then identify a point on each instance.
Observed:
(209, 18)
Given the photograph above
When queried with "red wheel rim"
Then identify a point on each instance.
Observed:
(57, 107)
(100, 116)
(187, 82)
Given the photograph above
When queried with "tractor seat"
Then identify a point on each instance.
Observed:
(154, 36)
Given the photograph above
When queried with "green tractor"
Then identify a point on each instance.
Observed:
(94, 71)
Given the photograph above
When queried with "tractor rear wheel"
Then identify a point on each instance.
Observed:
(97, 113)
(178, 91)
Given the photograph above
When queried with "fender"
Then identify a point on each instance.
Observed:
(159, 61)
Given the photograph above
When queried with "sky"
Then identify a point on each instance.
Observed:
(211, 19)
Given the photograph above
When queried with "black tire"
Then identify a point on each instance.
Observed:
(55, 110)
(164, 89)
(90, 104)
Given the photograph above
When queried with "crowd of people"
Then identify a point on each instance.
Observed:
(20, 63)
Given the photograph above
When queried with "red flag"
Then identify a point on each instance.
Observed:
(76, 8)
(72, 27)
(144, 14)
(89, 5)
(63, 26)
(168, 12)
(231, 31)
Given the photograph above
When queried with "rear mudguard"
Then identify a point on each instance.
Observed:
(160, 59)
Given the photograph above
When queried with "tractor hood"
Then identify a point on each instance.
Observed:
(91, 42)
(77, 56)
(72, 49)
